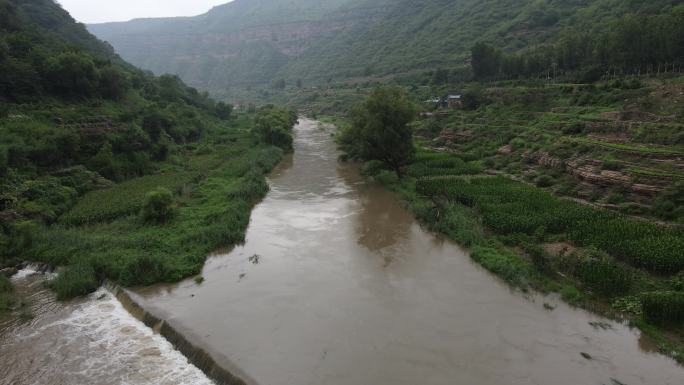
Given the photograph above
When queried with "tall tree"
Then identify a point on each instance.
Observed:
(380, 129)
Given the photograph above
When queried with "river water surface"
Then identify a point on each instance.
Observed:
(336, 284)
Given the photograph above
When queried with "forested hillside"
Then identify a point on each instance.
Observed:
(247, 43)
(111, 171)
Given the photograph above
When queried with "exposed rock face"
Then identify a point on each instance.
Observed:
(590, 171)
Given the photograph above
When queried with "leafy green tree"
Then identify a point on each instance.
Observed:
(223, 110)
(169, 88)
(485, 60)
(156, 121)
(670, 203)
(72, 74)
(113, 83)
(158, 207)
(273, 125)
(8, 16)
(380, 129)
(103, 162)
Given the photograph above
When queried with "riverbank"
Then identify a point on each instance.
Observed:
(534, 240)
(214, 185)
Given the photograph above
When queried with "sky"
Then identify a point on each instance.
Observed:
(99, 11)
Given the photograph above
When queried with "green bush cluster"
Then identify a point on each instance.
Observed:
(664, 308)
(505, 264)
(274, 126)
(75, 280)
(510, 207)
(603, 275)
(158, 206)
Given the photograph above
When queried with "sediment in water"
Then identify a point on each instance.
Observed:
(214, 365)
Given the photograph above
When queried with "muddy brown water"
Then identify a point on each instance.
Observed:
(346, 289)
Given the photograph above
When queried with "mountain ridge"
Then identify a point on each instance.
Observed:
(250, 43)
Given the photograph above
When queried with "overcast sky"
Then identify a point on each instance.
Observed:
(98, 11)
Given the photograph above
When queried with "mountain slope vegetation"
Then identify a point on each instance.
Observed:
(110, 171)
(247, 43)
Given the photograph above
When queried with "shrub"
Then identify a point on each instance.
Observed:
(372, 168)
(158, 206)
(74, 281)
(601, 274)
(386, 177)
(506, 264)
(143, 270)
(664, 308)
(5, 285)
(615, 198)
(544, 181)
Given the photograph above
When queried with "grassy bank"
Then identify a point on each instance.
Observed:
(594, 258)
(103, 235)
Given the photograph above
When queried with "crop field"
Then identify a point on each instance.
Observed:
(634, 149)
(510, 207)
(122, 199)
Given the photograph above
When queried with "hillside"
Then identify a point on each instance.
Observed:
(240, 43)
(111, 171)
(247, 43)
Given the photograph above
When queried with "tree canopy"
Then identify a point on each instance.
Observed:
(380, 129)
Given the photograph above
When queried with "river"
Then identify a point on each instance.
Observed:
(337, 284)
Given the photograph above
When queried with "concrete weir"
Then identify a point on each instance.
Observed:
(214, 365)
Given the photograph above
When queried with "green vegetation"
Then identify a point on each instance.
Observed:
(426, 43)
(123, 198)
(664, 307)
(510, 207)
(158, 207)
(542, 141)
(109, 172)
(75, 280)
(6, 294)
(507, 225)
(633, 43)
(274, 125)
(380, 129)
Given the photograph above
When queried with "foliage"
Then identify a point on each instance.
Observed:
(510, 207)
(122, 199)
(274, 125)
(75, 280)
(73, 114)
(158, 206)
(633, 43)
(505, 264)
(670, 203)
(600, 273)
(664, 308)
(380, 129)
